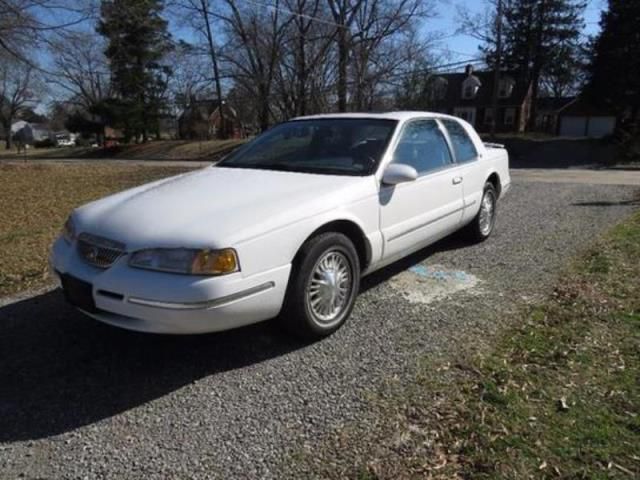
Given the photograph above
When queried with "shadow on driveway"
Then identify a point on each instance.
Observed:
(60, 370)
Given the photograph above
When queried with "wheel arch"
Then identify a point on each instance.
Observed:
(494, 179)
(352, 231)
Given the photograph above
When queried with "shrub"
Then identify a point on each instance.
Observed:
(46, 143)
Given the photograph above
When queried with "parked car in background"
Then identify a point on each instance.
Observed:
(284, 227)
(65, 142)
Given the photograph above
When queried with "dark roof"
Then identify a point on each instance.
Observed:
(206, 108)
(554, 104)
(582, 107)
(484, 96)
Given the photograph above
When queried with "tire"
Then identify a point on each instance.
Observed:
(480, 227)
(315, 305)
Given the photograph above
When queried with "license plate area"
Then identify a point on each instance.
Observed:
(78, 293)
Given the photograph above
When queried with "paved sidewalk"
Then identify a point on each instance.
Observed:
(594, 177)
(110, 161)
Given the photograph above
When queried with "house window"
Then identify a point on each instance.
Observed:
(470, 87)
(469, 91)
(466, 113)
(510, 116)
(488, 116)
(437, 89)
(505, 87)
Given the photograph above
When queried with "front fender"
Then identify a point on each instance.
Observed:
(279, 247)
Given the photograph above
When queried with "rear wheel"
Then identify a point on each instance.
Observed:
(482, 225)
(323, 286)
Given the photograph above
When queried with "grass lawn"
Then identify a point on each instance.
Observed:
(155, 150)
(560, 396)
(34, 203)
(555, 396)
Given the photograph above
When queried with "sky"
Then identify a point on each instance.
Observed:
(453, 46)
(459, 47)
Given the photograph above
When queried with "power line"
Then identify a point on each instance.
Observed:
(296, 14)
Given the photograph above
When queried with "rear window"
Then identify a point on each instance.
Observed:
(463, 146)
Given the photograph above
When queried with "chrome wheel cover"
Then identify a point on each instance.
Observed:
(329, 288)
(487, 212)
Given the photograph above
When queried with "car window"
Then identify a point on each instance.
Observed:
(423, 146)
(463, 146)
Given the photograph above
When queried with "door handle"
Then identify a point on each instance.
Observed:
(456, 180)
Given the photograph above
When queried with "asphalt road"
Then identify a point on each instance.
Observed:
(82, 400)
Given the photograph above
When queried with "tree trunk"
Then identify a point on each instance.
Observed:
(263, 115)
(7, 133)
(343, 58)
(222, 131)
(302, 77)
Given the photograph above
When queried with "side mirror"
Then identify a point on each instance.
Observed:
(396, 173)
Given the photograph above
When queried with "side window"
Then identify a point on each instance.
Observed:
(423, 146)
(462, 145)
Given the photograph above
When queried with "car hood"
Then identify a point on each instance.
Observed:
(216, 207)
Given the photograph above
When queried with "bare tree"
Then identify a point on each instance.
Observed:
(201, 21)
(381, 30)
(191, 79)
(37, 22)
(80, 76)
(19, 89)
(295, 57)
(306, 52)
(81, 69)
(256, 40)
(344, 14)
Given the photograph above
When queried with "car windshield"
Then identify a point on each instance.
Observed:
(332, 146)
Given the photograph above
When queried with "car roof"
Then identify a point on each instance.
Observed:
(398, 116)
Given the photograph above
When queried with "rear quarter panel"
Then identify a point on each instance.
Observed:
(491, 160)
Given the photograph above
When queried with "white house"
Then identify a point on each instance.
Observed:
(30, 132)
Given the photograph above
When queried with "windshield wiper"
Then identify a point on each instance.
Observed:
(286, 167)
(260, 166)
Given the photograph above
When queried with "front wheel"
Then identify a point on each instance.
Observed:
(323, 286)
(482, 225)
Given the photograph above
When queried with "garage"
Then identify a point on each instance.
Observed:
(581, 119)
(587, 126)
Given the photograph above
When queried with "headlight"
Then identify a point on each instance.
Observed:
(186, 260)
(69, 230)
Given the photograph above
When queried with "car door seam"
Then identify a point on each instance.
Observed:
(422, 225)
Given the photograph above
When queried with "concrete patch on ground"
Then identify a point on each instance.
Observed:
(427, 283)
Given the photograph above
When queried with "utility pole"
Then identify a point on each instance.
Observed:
(205, 12)
(496, 74)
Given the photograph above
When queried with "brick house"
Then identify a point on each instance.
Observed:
(469, 96)
(201, 120)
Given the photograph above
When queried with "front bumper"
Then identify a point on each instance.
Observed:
(158, 302)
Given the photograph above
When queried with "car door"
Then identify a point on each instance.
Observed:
(470, 167)
(415, 213)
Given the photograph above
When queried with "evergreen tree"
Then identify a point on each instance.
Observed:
(541, 39)
(137, 42)
(614, 70)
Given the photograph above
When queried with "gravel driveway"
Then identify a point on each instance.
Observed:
(83, 400)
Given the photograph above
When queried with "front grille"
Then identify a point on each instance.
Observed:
(98, 251)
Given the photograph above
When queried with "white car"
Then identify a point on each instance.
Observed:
(284, 227)
(65, 142)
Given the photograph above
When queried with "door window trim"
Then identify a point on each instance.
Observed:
(447, 142)
(446, 132)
